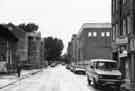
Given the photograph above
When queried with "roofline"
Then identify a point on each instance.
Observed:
(106, 25)
(103, 60)
(96, 25)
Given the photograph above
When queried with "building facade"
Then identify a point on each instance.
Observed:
(94, 41)
(43, 62)
(10, 40)
(123, 38)
(21, 46)
(74, 45)
(7, 47)
(72, 49)
(34, 48)
(69, 51)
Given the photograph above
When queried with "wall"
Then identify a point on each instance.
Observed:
(95, 47)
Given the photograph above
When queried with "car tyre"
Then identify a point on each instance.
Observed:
(117, 88)
(94, 84)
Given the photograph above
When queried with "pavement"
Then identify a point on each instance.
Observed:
(127, 86)
(6, 80)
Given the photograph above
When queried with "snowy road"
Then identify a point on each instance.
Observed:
(52, 79)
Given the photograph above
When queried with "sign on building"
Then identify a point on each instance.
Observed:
(121, 40)
(123, 54)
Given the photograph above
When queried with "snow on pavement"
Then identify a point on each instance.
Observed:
(6, 79)
(52, 79)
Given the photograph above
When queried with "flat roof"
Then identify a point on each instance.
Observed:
(102, 60)
(96, 25)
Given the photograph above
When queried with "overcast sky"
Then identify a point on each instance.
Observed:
(57, 18)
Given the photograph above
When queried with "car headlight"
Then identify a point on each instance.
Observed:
(119, 77)
(100, 76)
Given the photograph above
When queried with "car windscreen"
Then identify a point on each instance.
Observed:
(106, 65)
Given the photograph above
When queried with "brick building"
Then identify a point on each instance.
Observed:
(94, 41)
(123, 22)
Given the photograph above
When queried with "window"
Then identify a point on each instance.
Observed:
(116, 30)
(113, 36)
(124, 27)
(124, 1)
(102, 34)
(117, 4)
(106, 65)
(30, 38)
(113, 6)
(132, 44)
(89, 34)
(108, 34)
(94, 34)
(128, 24)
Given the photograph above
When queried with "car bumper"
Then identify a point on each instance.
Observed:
(109, 82)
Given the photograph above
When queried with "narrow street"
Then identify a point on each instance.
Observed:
(52, 79)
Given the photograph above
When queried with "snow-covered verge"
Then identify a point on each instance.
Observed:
(6, 80)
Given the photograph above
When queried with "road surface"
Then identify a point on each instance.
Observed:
(52, 79)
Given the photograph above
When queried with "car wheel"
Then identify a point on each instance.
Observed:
(117, 88)
(93, 83)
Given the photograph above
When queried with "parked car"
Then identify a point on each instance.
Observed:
(79, 70)
(68, 67)
(63, 64)
(72, 68)
(103, 72)
(53, 64)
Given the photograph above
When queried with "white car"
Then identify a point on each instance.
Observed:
(103, 72)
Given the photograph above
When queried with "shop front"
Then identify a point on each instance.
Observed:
(122, 55)
(124, 61)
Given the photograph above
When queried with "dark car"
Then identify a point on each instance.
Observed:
(68, 67)
(53, 64)
(79, 70)
(72, 68)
